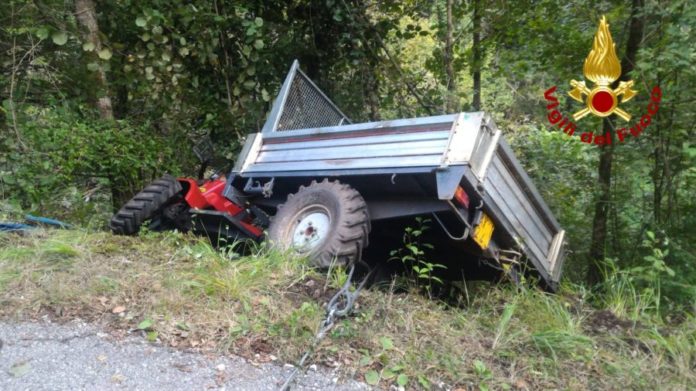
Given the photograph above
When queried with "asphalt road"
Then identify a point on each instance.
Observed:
(78, 356)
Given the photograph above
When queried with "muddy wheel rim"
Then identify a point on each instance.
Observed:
(311, 226)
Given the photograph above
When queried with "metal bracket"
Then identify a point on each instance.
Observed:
(447, 180)
(447, 232)
(509, 256)
(461, 217)
(255, 187)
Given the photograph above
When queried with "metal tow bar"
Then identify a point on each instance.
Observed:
(339, 306)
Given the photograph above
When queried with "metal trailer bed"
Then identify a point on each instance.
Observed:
(405, 167)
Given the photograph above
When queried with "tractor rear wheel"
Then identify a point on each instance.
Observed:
(327, 221)
(161, 203)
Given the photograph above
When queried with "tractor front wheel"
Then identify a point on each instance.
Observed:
(161, 203)
(327, 221)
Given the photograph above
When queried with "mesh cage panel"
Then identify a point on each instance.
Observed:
(306, 107)
(204, 149)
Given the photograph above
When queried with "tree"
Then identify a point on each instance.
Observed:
(86, 15)
(604, 167)
(452, 98)
(477, 60)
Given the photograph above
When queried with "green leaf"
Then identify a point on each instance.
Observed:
(140, 21)
(387, 374)
(397, 368)
(372, 377)
(258, 44)
(424, 382)
(20, 369)
(480, 368)
(93, 66)
(386, 343)
(152, 336)
(265, 95)
(105, 54)
(258, 22)
(59, 38)
(402, 380)
(88, 46)
(145, 324)
(42, 32)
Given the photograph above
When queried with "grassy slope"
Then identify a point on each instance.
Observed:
(267, 305)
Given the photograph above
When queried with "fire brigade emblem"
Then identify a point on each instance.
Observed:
(602, 67)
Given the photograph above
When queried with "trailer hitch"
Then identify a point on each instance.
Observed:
(256, 187)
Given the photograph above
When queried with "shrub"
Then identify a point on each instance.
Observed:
(69, 164)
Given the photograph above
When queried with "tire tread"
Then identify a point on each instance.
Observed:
(144, 205)
(350, 236)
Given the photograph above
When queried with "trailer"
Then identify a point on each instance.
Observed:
(326, 180)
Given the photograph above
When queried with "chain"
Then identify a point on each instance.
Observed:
(339, 306)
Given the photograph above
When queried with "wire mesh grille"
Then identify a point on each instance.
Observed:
(305, 107)
(204, 149)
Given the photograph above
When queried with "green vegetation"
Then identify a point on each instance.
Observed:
(97, 98)
(413, 256)
(178, 290)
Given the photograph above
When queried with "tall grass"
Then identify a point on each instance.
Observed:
(505, 337)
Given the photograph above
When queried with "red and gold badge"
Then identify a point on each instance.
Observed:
(602, 67)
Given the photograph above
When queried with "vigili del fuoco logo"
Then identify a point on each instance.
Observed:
(602, 67)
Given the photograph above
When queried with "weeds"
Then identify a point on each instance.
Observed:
(176, 289)
(412, 255)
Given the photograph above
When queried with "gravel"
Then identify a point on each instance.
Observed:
(79, 356)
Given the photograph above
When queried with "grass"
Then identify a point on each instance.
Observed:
(177, 290)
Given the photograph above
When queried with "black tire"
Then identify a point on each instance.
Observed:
(149, 204)
(348, 223)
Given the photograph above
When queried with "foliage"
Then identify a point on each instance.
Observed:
(183, 293)
(177, 70)
(75, 158)
(413, 256)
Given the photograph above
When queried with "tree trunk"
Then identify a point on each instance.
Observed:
(599, 223)
(452, 99)
(476, 62)
(371, 89)
(86, 14)
(601, 213)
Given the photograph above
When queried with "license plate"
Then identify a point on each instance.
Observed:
(483, 232)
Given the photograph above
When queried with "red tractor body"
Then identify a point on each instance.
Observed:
(203, 200)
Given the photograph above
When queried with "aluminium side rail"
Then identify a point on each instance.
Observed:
(439, 153)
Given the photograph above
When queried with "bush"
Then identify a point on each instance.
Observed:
(73, 165)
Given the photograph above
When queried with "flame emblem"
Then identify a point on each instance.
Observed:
(603, 68)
